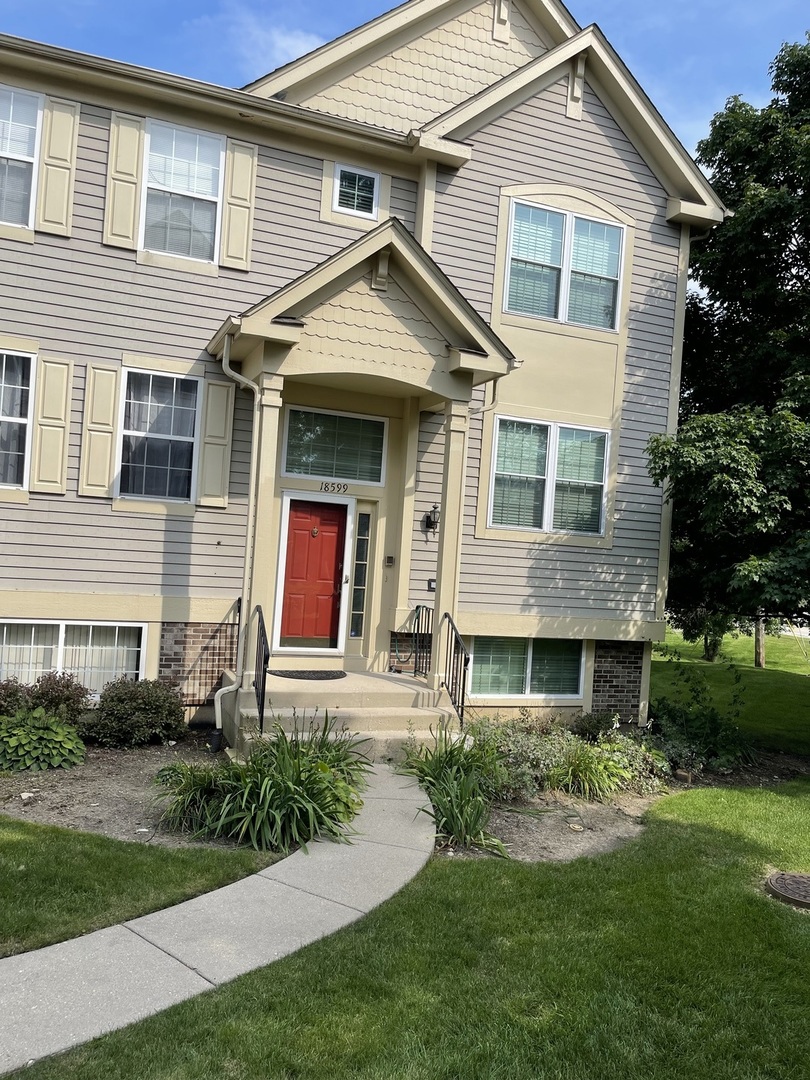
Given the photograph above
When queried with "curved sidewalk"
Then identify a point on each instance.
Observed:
(66, 994)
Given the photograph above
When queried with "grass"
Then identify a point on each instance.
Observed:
(776, 703)
(56, 884)
(662, 960)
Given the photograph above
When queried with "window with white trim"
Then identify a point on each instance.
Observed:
(548, 477)
(183, 191)
(16, 406)
(159, 435)
(20, 126)
(340, 446)
(356, 191)
(563, 266)
(523, 667)
(95, 653)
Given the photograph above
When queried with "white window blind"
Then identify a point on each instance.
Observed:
(356, 192)
(334, 445)
(183, 186)
(563, 267)
(19, 121)
(15, 388)
(519, 667)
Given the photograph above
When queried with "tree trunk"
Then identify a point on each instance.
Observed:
(759, 643)
(711, 646)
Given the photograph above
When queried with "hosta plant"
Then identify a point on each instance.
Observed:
(33, 739)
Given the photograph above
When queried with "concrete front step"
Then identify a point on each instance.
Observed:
(355, 690)
(361, 720)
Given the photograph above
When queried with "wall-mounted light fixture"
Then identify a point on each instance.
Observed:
(432, 518)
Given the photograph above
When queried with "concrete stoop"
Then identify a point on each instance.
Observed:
(385, 710)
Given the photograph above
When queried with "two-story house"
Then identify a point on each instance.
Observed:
(380, 335)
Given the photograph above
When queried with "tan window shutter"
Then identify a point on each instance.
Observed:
(122, 209)
(99, 431)
(57, 166)
(51, 426)
(215, 461)
(237, 215)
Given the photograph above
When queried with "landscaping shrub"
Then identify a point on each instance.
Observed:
(586, 770)
(133, 714)
(593, 726)
(14, 696)
(292, 789)
(33, 739)
(647, 768)
(461, 777)
(60, 694)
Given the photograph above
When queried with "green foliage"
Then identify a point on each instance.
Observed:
(461, 776)
(691, 730)
(133, 714)
(61, 694)
(292, 789)
(737, 470)
(538, 754)
(32, 739)
(593, 726)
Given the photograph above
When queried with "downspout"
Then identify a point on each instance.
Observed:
(247, 575)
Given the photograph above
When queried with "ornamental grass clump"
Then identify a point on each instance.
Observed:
(293, 788)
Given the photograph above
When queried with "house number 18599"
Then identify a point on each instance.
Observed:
(333, 488)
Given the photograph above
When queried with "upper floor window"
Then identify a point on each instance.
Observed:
(16, 403)
(183, 191)
(335, 445)
(548, 477)
(356, 192)
(159, 433)
(20, 121)
(563, 266)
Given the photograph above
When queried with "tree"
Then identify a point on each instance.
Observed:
(738, 469)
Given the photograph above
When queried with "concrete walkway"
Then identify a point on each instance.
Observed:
(66, 994)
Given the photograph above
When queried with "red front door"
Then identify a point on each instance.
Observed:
(313, 576)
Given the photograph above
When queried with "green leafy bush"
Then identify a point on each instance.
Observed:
(32, 739)
(14, 696)
(593, 726)
(586, 770)
(133, 714)
(60, 694)
(461, 777)
(647, 768)
(292, 789)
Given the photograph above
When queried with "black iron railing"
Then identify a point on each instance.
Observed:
(422, 638)
(262, 659)
(456, 662)
(214, 651)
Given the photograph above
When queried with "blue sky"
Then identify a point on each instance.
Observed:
(688, 56)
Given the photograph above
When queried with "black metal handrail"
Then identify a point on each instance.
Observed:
(422, 637)
(262, 659)
(456, 662)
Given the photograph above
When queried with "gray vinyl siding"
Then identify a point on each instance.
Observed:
(537, 143)
(84, 301)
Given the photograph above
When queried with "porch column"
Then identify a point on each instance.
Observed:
(264, 556)
(456, 423)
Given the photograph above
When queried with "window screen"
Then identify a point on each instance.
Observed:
(335, 445)
(183, 182)
(19, 118)
(160, 417)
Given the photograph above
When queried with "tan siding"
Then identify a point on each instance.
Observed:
(403, 201)
(428, 491)
(533, 144)
(429, 75)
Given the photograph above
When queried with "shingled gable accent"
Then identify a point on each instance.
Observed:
(354, 50)
(474, 345)
(692, 201)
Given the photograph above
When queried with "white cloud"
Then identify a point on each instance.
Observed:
(249, 43)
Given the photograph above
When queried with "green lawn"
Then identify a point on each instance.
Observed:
(56, 883)
(776, 702)
(662, 960)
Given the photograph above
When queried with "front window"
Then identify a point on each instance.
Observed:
(20, 114)
(548, 477)
(159, 433)
(183, 186)
(356, 191)
(334, 445)
(563, 267)
(96, 654)
(15, 418)
(520, 667)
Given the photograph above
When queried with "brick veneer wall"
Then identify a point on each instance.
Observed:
(194, 655)
(617, 671)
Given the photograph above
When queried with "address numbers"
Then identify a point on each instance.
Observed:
(334, 488)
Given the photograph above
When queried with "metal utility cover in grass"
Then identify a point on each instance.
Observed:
(790, 888)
